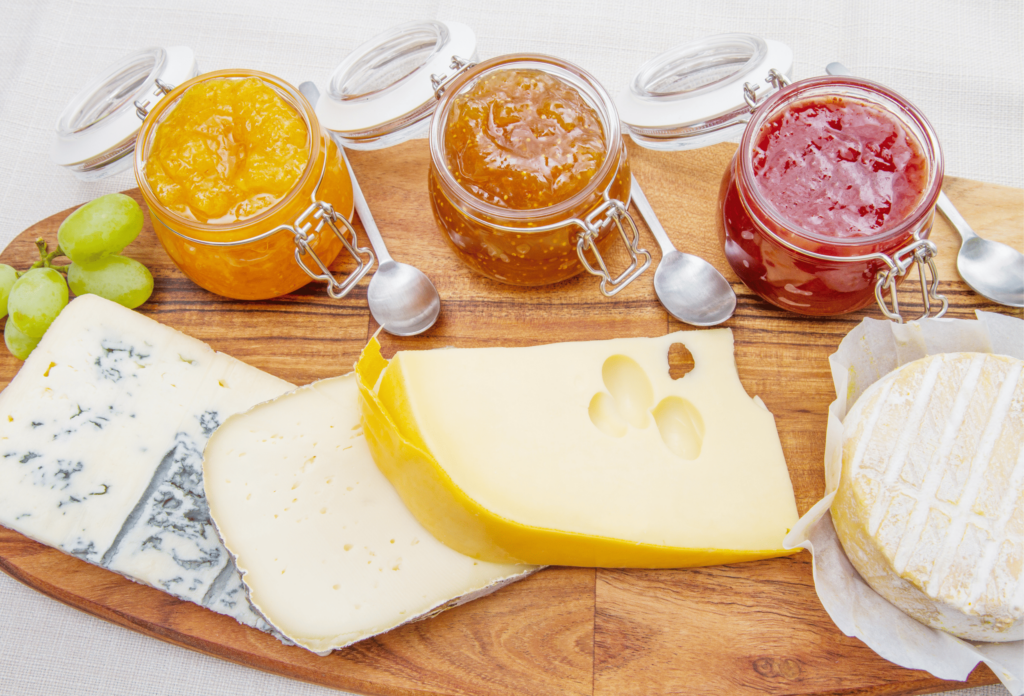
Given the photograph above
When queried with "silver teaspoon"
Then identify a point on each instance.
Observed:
(401, 297)
(690, 288)
(992, 269)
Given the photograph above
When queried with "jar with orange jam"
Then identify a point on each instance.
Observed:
(246, 191)
(529, 177)
(248, 195)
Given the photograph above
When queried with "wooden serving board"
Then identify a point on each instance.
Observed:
(746, 628)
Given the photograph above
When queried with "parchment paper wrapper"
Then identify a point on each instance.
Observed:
(868, 353)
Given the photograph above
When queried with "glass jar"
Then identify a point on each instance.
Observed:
(711, 90)
(543, 245)
(812, 272)
(281, 248)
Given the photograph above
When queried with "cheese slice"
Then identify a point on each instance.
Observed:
(930, 505)
(101, 439)
(329, 553)
(584, 454)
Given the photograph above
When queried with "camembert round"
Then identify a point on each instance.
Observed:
(930, 506)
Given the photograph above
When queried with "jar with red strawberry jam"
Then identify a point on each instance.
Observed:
(830, 197)
(829, 200)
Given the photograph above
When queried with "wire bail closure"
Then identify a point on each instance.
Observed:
(440, 82)
(142, 107)
(775, 79)
(322, 212)
(614, 212)
(921, 252)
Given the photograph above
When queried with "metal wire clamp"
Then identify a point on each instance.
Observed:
(775, 79)
(614, 213)
(440, 82)
(922, 252)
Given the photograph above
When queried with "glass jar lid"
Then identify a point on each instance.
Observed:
(97, 129)
(700, 93)
(384, 92)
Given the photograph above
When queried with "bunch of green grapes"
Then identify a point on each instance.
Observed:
(92, 237)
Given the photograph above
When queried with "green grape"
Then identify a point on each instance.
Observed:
(36, 299)
(8, 276)
(18, 343)
(116, 278)
(100, 228)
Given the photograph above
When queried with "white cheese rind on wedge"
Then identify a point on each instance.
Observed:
(930, 504)
(326, 548)
(101, 439)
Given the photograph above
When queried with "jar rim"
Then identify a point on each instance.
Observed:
(868, 92)
(292, 96)
(590, 89)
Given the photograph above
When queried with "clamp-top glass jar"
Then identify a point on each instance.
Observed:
(283, 246)
(830, 197)
(851, 212)
(286, 239)
(390, 87)
(544, 235)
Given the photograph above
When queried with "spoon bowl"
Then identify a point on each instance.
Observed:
(402, 299)
(993, 270)
(690, 288)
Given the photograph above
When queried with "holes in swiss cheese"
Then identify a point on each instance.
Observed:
(629, 401)
(680, 361)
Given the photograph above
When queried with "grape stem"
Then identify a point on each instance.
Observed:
(46, 258)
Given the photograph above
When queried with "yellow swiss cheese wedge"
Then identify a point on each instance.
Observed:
(585, 454)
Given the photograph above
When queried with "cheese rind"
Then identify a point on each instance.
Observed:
(326, 548)
(581, 453)
(930, 504)
(101, 439)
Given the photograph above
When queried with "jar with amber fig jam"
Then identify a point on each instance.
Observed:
(248, 195)
(529, 176)
(829, 199)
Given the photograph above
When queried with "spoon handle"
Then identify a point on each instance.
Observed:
(651, 219)
(364, 215)
(312, 93)
(947, 208)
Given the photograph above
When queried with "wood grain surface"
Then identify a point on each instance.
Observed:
(741, 629)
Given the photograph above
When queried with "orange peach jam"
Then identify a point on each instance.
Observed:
(229, 149)
(523, 139)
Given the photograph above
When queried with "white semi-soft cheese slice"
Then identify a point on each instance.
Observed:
(329, 553)
(584, 453)
(101, 439)
(930, 505)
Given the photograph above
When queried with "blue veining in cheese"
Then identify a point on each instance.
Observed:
(101, 440)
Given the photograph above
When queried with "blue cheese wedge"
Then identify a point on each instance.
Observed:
(101, 440)
(327, 549)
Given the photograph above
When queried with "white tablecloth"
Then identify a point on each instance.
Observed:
(959, 61)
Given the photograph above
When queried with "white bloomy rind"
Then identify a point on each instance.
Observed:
(328, 551)
(101, 439)
(930, 506)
